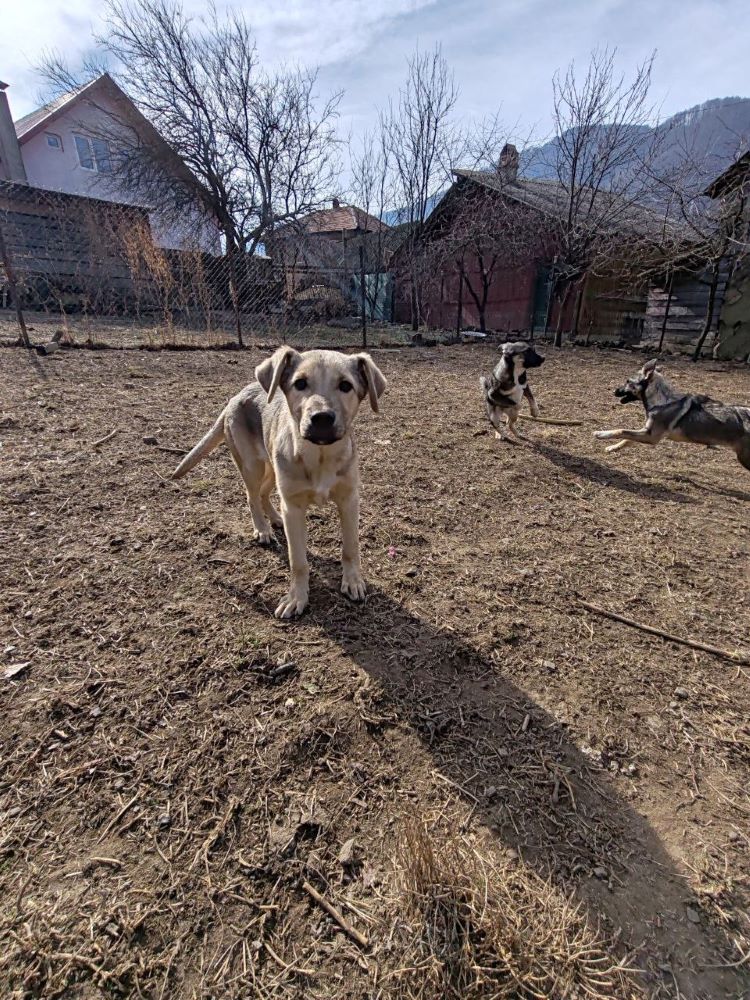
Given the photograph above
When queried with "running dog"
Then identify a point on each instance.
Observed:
(299, 439)
(678, 416)
(507, 385)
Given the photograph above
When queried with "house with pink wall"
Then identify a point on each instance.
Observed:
(69, 145)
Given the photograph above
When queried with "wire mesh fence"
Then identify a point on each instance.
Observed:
(89, 271)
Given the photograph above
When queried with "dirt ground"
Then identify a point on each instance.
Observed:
(506, 795)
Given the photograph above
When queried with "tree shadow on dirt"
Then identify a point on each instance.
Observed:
(608, 475)
(527, 780)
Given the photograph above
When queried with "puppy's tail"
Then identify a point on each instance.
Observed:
(204, 447)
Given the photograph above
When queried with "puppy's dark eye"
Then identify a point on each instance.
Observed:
(345, 386)
(300, 384)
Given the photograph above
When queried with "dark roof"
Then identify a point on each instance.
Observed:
(733, 177)
(342, 218)
(30, 124)
(551, 198)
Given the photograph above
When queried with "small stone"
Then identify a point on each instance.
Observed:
(674, 704)
(692, 914)
(150, 439)
(549, 665)
(412, 571)
(682, 693)
(734, 836)
(631, 770)
(112, 929)
(490, 792)
(601, 872)
(95, 712)
(289, 703)
(165, 820)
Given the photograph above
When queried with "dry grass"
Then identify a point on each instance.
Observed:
(483, 927)
(506, 796)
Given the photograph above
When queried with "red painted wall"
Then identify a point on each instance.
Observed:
(509, 305)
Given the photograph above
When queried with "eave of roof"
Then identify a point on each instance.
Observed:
(36, 121)
(731, 178)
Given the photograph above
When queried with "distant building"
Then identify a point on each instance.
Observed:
(61, 147)
(512, 294)
(732, 190)
(320, 255)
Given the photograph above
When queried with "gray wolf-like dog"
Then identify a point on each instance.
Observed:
(507, 385)
(292, 429)
(679, 416)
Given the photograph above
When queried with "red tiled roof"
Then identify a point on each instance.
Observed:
(344, 218)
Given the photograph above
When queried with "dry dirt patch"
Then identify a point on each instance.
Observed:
(449, 765)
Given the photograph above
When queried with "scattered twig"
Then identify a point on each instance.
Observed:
(217, 832)
(692, 643)
(118, 817)
(551, 420)
(343, 923)
(107, 437)
(287, 968)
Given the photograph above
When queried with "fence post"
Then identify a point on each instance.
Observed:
(363, 293)
(11, 278)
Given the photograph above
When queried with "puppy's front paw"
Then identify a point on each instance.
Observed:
(292, 605)
(262, 537)
(353, 586)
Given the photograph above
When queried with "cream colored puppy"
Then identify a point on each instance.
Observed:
(292, 429)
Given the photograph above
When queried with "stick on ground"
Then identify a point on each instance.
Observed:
(107, 437)
(692, 643)
(343, 923)
(550, 420)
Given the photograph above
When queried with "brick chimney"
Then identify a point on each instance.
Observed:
(508, 166)
(11, 162)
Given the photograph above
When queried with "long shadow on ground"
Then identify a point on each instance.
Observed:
(608, 475)
(530, 783)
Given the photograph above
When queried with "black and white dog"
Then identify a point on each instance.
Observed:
(507, 385)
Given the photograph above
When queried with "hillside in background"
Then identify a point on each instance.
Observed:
(709, 137)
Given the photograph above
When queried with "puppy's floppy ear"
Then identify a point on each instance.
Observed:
(271, 371)
(649, 368)
(373, 378)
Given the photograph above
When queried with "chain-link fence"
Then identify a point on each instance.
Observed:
(86, 270)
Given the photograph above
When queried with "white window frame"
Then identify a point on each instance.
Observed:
(53, 135)
(95, 167)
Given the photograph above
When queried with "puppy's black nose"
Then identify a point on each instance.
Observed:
(323, 418)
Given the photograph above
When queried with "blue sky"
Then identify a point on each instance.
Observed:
(503, 54)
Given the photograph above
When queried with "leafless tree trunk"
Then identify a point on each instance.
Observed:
(601, 161)
(709, 310)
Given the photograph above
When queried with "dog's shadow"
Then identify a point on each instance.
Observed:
(608, 475)
(521, 773)
(723, 491)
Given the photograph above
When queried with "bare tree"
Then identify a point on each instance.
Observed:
(477, 231)
(602, 150)
(260, 148)
(372, 189)
(425, 142)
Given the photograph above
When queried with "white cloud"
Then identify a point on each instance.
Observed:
(503, 54)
